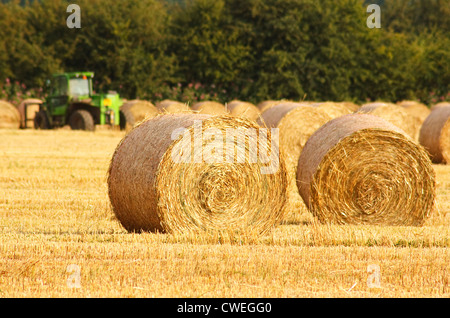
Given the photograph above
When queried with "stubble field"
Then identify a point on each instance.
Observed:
(59, 238)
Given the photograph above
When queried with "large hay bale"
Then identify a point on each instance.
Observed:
(168, 106)
(9, 116)
(169, 175)
(134, 111)
(296, 123)
(435, 134)
(361, 169)
(334, 110)
(396, 115)
(210, 108)
(416, 109)
(27, 110)
(244, 109)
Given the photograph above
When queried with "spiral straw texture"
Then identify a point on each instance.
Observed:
(360, 169)
(151, 190)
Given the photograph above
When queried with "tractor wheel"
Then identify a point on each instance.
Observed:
(82, 120)
(41, 120)
(126, 119)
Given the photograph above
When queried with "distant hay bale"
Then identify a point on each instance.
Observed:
(135, 111)
(438, 105)
(268, 104)
(416, 109)
(27, 110)
(9, 116)
(168, 106)
(396, 115)
(350, 105)
(244, 109)
(169, 175)
(361, 169)
(296, 123)
(435, 134)
(210, 108)
(334, 110)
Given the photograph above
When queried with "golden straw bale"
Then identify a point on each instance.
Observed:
(185, 173)
(168, 106)
(244, 109)
(396, 115)
(296, 123)
(210, 108)
(442, 104)
(9, 116)
(435, 134)
(416, 109)
(268, 104)
(350, 105)
(361, 169)
(334, 110)
(134, 111)
(27, 110)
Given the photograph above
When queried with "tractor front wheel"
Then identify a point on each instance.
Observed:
(41, 120)
(82, 120)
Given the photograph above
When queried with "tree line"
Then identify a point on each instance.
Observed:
(235, 49)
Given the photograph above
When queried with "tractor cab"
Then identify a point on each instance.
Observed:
(71, 101)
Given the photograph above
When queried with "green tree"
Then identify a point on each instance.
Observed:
(206, 43)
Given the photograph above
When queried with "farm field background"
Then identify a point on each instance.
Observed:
(54, 212)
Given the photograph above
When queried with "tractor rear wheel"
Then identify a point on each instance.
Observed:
(41, 120)
(81, 120)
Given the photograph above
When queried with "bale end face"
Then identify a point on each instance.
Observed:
(174, 174)
(359, 169)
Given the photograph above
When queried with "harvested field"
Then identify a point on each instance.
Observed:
(54, 213)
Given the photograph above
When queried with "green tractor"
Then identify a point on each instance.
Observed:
(71, 101)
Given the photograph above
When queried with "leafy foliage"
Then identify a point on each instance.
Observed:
(246, 49)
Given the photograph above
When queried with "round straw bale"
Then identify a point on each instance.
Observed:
(135, 111)
(210, 108)
(361, 169)
(27, 110)
(442, 104)
(350, 105)
(269, 103)
(173, 107)
(9, 116)
(396, 115)
(296, 123)
(416, 109)
(435, 134)
(334, 110)
(177, 173)
(244, 109)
